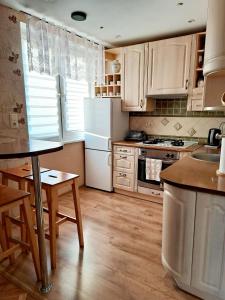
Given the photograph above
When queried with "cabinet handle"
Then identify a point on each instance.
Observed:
(141, 103)
(156, 194)
(121, 156)
(186, 84)
(123, 174)
(223, 99)
(125, 151)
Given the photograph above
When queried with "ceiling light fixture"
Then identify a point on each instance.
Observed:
(180, 3)
(191, 21)
(101, 27)
(79, 16)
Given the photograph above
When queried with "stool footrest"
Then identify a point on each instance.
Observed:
(16, 221)
(22, 243)
(60, 215)
(9, 252)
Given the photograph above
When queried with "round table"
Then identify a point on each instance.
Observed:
(20, 148)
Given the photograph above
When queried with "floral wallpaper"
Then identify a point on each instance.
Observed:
(12, 95)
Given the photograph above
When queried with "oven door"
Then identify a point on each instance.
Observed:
(142, 181)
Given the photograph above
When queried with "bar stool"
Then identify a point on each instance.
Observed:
(51, 182)
(9, 199)
(18, 175)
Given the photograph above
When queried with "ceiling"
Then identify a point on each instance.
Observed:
(123, 21)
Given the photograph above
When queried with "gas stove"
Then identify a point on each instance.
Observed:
(158, 142)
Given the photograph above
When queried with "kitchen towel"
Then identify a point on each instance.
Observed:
(153, 169)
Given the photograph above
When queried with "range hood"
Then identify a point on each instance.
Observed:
(214, 61)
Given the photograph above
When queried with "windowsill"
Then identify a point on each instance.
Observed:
(73, 141)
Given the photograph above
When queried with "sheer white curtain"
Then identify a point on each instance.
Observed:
(55, 51)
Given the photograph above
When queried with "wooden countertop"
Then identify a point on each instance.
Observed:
(194, 174)
(137, 145)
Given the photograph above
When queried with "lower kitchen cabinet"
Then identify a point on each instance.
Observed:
(125, 168)
(123, 180)
(193, 241)
(178, 231)
(209, 240)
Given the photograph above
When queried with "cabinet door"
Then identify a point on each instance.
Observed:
(123, 163)
(169, 66)
(133, 78)
(123, 180)
(208, 272)
(178, 230)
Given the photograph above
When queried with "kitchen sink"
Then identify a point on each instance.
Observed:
(206, 156)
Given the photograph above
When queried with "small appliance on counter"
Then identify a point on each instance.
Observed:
(213, 141)
(136, 136)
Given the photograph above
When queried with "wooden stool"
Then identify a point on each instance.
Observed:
(51, 182)
(11, 198)
(19, 174)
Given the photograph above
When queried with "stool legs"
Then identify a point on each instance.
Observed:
(31, 234)
(76, 200)
(52, 206)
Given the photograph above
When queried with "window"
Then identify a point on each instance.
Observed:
(55, 107)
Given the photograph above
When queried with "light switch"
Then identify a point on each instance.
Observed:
(13, 120)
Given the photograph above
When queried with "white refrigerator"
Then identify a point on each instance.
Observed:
(104, 123)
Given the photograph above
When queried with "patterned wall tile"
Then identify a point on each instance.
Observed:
(200, 125)
(177, 126)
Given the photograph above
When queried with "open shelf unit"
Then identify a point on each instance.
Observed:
(199, 57)
(112, 85)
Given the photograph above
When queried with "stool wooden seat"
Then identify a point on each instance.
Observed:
(9, 199)
(51, 182)
(18, 174)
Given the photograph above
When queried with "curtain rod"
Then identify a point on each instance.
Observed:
(71, 32)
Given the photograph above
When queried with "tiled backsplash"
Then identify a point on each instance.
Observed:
(195, 127)
(176, 107)
(171, 118)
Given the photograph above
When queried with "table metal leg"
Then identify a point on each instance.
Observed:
(46, 285)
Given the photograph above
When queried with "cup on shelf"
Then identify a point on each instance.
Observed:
(98, 95)
(104, 94)
(110, 94)
(118, 82)
(111, 83)
(117, 94)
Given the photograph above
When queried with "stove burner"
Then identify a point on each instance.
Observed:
(154, 141)
(177, 143)
(172, 142)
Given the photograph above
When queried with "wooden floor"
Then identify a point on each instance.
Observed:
(122, 255)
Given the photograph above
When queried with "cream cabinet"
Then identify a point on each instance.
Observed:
(169, 66)
(208, 272)
(133, 78)
(125, 168)
(193, 241)
(178, 231)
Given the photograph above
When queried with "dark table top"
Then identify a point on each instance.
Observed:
(18, 148)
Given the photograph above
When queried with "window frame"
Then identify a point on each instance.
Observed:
(64, 135)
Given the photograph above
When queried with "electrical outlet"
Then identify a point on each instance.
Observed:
(13, 118)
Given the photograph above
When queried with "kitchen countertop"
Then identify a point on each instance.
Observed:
(138, 145)
(195, 174)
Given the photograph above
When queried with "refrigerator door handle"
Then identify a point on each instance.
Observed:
(110, 144)
(110, 160)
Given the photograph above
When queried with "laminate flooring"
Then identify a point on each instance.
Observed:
(121, 259)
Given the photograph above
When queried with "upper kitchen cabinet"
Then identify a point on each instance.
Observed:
(196, 84)
(134, 79)
(169, 66)
(112, 85)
